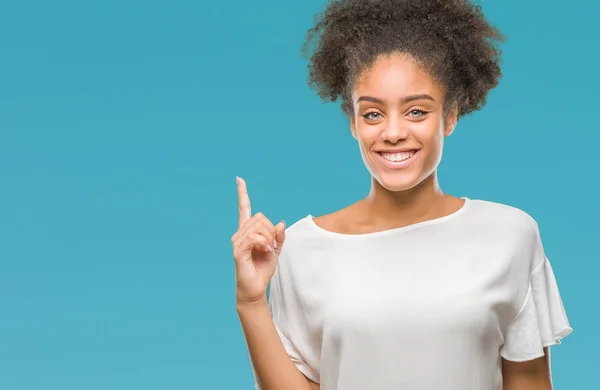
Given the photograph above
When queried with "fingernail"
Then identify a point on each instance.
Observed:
(275, 244)
(237, 180)
(270, 249)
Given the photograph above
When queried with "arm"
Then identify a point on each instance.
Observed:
(255, 264)
(528, 375)
(274, 368)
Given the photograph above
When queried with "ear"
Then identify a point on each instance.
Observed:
(451, 120)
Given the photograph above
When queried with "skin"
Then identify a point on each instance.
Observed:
(530, 375)
(256, 247)
(384, 119)
(397, 104)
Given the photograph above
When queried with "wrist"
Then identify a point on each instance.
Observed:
(251, 304)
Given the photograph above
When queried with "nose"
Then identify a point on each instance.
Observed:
(395, 131)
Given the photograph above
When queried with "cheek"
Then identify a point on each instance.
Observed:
(364, 149)
(431, 137)
(365, 141)
(367, 136)
(429, 134)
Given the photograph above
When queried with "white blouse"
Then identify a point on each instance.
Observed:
(430, 306)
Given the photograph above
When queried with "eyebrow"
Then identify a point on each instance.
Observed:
(404, 100)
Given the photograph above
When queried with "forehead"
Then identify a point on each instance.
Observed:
(393, 76)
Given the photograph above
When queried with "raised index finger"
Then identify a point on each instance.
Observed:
(245, 211)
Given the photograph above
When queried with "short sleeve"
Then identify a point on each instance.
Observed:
(542, 320)
(286, 313)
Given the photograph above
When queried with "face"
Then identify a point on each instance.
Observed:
(399, 122)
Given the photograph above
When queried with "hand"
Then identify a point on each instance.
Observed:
(256, 248)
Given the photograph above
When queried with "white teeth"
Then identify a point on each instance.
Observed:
(395, 157)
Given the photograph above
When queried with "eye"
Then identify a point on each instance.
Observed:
(416, 113)
(373, 115)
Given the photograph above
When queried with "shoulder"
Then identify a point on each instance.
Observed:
(299, 229)
(300, 237)
(340, 221)
(494, 215)
(507, 230)
(304, 256)
(310, 239)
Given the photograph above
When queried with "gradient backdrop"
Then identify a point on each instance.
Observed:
(124, 123)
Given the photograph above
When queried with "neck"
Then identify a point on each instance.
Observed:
(407, 207)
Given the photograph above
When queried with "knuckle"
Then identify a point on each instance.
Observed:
(265, 232)
(270, 228)
(264, 221)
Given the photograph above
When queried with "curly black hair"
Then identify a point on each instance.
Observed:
(451, 38)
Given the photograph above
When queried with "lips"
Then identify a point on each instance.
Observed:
(397, 160)
(398, 156)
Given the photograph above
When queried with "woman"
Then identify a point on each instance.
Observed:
(409, 288)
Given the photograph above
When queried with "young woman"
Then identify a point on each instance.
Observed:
(409, 288)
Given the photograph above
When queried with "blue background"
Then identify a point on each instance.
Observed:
(124, 123)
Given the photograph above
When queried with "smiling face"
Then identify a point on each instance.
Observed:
(399, 122)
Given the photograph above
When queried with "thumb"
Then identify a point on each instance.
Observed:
(280, 235)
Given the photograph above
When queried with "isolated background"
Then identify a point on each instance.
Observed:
(124, 123)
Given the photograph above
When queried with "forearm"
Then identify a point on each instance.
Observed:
(528, 384)
(273, 366)
(528, 375)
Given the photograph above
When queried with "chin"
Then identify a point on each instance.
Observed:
(397, 182)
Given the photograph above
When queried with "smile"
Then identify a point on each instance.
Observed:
(397, 160)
